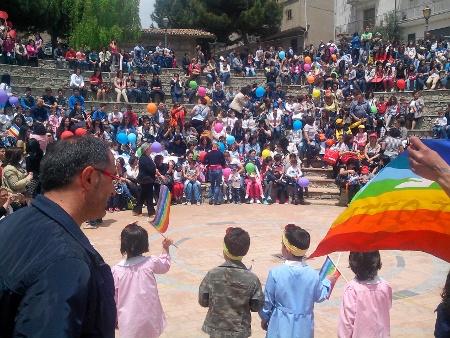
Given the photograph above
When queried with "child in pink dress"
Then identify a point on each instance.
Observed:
(139, 310)
(367, 299)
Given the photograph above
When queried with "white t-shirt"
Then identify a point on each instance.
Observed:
(311, 131)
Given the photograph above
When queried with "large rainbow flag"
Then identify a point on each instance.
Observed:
(161, 220)
(396, 210)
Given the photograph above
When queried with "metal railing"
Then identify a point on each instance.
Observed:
(407, 13)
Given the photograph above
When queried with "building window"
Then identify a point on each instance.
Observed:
(289, 14)
(369, 17)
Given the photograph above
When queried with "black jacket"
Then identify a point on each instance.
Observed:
(52, 281)
(147, 170)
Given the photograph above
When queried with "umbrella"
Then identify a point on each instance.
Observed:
(396, 210)
(3, 15)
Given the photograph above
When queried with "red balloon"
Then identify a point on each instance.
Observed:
(401, 84)
(66, 134)
(202, 155)
(80, 131)
(12, 34)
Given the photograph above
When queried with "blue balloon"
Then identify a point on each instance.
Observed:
(297, 125)
(132, 138)
(122, 138)
(230, 140)
(259, 91)
(282, 55)
(222, 146)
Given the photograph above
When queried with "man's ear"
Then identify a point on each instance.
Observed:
(89, 178)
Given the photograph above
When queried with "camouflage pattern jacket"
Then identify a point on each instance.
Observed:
(231, 292)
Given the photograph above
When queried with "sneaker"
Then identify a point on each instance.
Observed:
(111, 210)
(258, 201)
(252, 200)
(224, 198)
(198, 203)
(210, 202)
(296, 202)
(287, 202)
(246, 196)
(188, 203)
(265, 202)
(269, 198)
(277, 202)
(88, 226)
(239, 203)
(116, 209)
(232, 202)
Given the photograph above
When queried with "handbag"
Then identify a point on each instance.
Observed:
(331, 156)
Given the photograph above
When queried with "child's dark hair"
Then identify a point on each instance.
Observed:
(268, 159)
(277, 157)
(365, 265)
(133, 240)
(446, 294)
(297, 236)
(237, 241)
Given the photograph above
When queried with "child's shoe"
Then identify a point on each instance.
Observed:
(277, 201)
(116, 209)
(111, 210)
(258, 201)
(246, 196)
(269, 198)
(286, 202)
(265, 202)
(252, 200)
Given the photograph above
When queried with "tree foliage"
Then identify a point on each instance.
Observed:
(89, 23)
(388, 27)
(96, 22)
(221, 17)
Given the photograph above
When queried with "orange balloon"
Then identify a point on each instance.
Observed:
(311, 79)
(208, 100)
(333, 56)
(151, 108)
(307, 59)
(328, 91)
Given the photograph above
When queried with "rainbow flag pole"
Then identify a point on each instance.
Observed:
(161, 221)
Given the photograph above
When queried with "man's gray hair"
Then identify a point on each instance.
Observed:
(144, 147)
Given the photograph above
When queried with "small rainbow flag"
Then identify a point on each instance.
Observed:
(328, 268)
(14, 131)
(161, 221)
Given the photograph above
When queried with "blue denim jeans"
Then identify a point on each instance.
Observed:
(215, 178)
(192, 187)
(224, 77)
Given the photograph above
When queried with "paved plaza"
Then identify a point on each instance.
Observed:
(416, 278)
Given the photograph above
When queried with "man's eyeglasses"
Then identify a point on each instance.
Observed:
(115, 179)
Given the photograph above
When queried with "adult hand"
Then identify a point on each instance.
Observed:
(427, 163)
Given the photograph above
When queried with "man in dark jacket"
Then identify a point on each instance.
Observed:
(53, 283)
(146, 178)
(216, 162)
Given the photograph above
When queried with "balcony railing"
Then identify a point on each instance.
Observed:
(415, 13)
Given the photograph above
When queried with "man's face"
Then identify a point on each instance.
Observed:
(3, 196)
(104, 190)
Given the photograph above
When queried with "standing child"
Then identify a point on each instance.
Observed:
(367, 299)
(235, 185)
(139, 310)
(294, 173)
(230, 291)
(292, 289)
(178, 186)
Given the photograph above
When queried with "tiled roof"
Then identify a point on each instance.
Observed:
(173, 31)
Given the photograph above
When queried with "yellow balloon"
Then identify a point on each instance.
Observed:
(265, 153)
(316, 93)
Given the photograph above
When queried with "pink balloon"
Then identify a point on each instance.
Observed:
(201, 91)
(226, 173)
(218, 127)
(307, 67)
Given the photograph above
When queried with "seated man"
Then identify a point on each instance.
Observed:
(132, 88)
(93, 60)
(59, 57)
(238, 65)
(71, 58)
(156, 88)
(81, 59)
(142, 87)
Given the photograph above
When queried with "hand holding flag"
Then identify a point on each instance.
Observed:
(329, 271)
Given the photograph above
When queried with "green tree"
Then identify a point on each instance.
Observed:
(96, 22)
(222, 17)
(32, 16)
(388, 27)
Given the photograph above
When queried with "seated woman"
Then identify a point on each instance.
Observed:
(97, 85)
(120, 86)
(78, 116)
(195, 69)
(77, 82)
(126, 126)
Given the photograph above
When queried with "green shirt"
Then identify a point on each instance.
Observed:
(366, 37)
